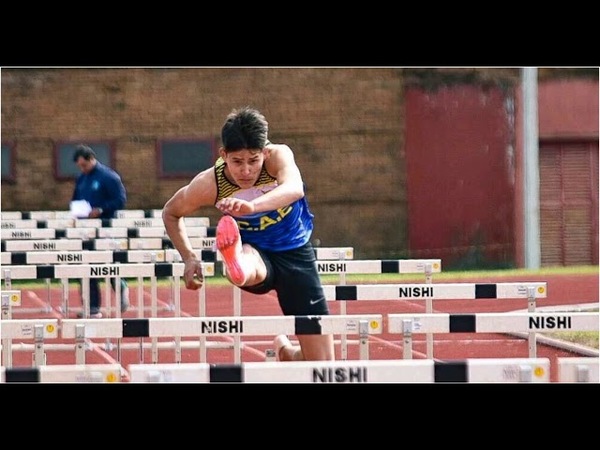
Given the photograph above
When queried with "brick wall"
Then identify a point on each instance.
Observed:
(345, 126)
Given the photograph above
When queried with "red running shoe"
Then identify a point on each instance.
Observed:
(229, 244)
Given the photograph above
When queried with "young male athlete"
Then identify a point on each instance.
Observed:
(264, 234)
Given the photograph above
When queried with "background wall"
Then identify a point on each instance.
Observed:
(347, 127)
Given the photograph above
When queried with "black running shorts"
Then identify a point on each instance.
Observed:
(293, 275)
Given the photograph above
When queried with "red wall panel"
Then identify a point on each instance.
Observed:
(460, 176)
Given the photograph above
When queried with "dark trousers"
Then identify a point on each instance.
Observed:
(96, 297)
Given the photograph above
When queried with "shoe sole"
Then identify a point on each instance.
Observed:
(229, 244)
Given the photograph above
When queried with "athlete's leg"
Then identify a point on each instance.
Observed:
(244, 265)
(313, 347)
(300, 293)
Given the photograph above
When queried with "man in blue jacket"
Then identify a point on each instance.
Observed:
(103, 189)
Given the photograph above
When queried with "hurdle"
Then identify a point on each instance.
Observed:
(11, 215)
(400, 266)
(28, 233)
(150, 270)
(410, 324)
(74, 373)
(578, 370)
(37, 330)
(473, 370)
(155, 327)
(440, 291)
(11, 224)
(430, 291)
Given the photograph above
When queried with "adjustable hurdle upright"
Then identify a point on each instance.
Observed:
(342, 267)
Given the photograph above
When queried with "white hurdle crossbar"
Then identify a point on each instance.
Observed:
(578, 369)
(475, 370)
(440, 291)
(512, 322)
(155, 327)
(404, 266)
(73, 373)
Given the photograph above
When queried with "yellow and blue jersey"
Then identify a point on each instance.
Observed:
(283, 229)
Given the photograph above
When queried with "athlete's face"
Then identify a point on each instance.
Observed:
(243, 166)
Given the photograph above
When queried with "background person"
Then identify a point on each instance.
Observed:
(264, 236)
(103, 189)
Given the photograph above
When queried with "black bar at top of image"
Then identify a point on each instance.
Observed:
(136, 328)
(462, 323)
(18, 258)
(308, 325)
(450, 371)
(485, 290)
(345, 293)
(44, 272)
(226, 373)
(390, 266)
(211, 232)
(121, 256)
(22, 375)
(163, 270)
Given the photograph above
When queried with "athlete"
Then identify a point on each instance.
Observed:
(264, 234)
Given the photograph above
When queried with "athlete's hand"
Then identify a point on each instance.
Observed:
(235, 206)
(192, 274)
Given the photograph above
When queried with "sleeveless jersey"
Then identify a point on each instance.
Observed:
(283, 229)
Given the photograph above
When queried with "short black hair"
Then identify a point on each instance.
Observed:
(244, 128)
(85, 151)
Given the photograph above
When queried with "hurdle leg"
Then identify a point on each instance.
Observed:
(7, 279)
(532, 338)
(363, 331)
(6, 359)
(176, 292)
(65, 296)
(429, 309)
(140, 302)
(237, 311)
(172, 302)
(48, 307)
(407, 339)
(202, 310)
(85, 297)
(79, 344)
(154, 313)
(343, 337)
(108, 296)
(38, 357)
